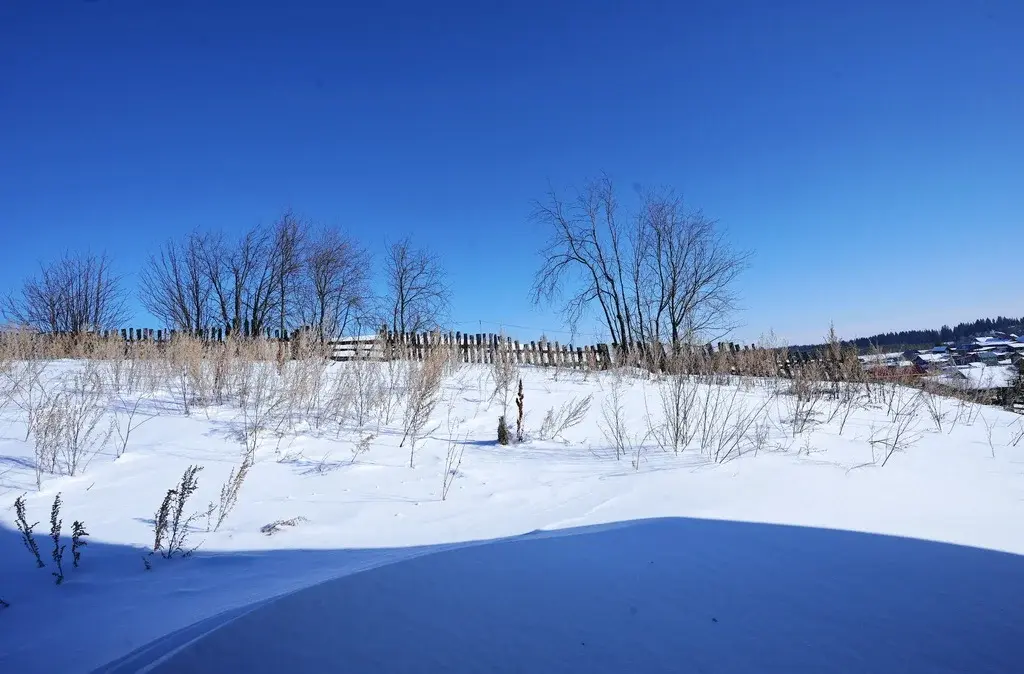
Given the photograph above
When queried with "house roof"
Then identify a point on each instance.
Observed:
(978, 377)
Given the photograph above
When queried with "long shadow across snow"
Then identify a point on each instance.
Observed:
(667, 595)
(661, 595)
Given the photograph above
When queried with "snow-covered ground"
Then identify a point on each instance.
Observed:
(551, 555)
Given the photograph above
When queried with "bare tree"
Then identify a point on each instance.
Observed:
(666, 277)
(243, 279)
(76, 294)
(685, 275)
(175, 287)
(417, 292)
(335, 284)
(289, 239)
(584, 259)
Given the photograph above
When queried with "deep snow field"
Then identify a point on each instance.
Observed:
(550, 555)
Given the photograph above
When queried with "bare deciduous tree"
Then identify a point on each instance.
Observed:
(243, 280)
(417, 292)
(289, 240)
(78, 293)
(335, 284)
(174, 286)
(667, 277)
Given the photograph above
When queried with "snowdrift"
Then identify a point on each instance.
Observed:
(666, 595)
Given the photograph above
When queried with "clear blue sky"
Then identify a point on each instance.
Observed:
(870, 153)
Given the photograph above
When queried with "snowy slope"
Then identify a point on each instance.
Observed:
(795, 597)
(669, 595)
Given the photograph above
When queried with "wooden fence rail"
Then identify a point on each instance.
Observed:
(487, 348)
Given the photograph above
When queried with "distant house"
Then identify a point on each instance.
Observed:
(928, 360)
(884, 360)
(977, 377)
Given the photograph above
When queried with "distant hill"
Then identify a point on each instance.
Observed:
(905, 339)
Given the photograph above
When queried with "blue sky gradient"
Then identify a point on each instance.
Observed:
(871, 154)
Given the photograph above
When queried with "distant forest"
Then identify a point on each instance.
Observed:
(922, 338)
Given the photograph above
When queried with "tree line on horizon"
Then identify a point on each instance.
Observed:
(959, 333)
(660, 272)
(271, 279)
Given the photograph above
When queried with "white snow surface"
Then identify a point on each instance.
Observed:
(546, 556)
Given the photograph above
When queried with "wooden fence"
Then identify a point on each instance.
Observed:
(486, 348)
(473, 348)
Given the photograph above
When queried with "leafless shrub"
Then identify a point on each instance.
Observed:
(969, 406)
(301, 381)
(231, 488)
(125, 421)
(84, 434)
(261, 404)
(67, 426)
(737, 428)
(393, 373)
(521, 418)
(901, 433)
(325, 465)
(726, 423)
(614, 427)
(850, 399)
(223, 371)
(338, 399)
(504, 374)
(1017, 435)
(934, 406)
(279, 525)
(58, 548)
(27, 537)
(455, 448)
(368, 390)
(571, 413)
(422, 393)
(171, 524)
(806, 448)
(677, 395)
(184, 371)
(989, 427)
(26, 386)
(78, 536)
(362, 447)
(803, 401)
(761, 432)
(48, 430)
